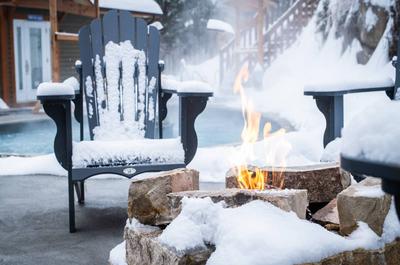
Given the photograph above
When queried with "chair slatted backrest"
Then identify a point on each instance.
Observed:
(101, 87)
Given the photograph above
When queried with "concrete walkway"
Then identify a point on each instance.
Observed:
(34, 220)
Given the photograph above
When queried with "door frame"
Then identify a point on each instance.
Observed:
(27, 93)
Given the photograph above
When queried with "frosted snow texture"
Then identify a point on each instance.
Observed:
(374, 134)
(117, 254)
(259, 233)
(119, 92)
(190, 86)
(55, 89)
(132, 152)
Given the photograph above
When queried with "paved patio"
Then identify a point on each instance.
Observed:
(34, 220)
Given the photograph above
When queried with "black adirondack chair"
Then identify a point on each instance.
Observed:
(119, 26)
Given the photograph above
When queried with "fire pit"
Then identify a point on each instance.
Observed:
(323, 182)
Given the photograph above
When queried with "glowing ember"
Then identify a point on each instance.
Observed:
(256, 179)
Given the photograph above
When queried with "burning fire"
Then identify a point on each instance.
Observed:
(256, 179)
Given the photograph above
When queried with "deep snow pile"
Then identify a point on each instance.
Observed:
(374, 134)
(260, 233)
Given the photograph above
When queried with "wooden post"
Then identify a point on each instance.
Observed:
(260, 35)
(4, 67)
(97, 8)
(55, 58)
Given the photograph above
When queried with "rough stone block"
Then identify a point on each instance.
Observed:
(364, 202)
(328, 214)
(288, 200)
(147, 200)
(143, 247)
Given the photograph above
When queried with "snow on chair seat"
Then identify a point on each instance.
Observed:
(134, 152)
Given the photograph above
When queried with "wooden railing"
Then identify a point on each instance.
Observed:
(285, 31)
(283, 24)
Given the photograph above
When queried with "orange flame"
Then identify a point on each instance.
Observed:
(253, 179)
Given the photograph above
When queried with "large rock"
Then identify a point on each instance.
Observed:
(323, 182)
(328, 214)
(143, 248)
(147, 199)
(287, 200)
(366, 202)
(388, 255)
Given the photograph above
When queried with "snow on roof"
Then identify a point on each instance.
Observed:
(141, 6)
(220, 25)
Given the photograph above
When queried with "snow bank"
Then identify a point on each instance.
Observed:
(38, 165)
(118, 255)
(133, 152)
(259, 233)
(220, 25)
(374, 134)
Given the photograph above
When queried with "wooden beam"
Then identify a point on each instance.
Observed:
(55, 58)
(62, 36)
(5, 81)
(97, 8)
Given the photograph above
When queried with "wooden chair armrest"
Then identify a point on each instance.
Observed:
(189, 94)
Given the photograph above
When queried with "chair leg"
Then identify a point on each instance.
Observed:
(80, 191)
(82, 184)
(71, 204)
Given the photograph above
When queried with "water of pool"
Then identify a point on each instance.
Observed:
(215, 126)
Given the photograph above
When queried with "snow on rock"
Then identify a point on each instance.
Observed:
(133, 152)
(258, 232)
(196, 225)
(118, 255)
(370, 19)
(55, 89)
(381, 3)
(220, 25)
(190, 86)
(38, 165)
(369, 191)
(374, 134)
(140, 6)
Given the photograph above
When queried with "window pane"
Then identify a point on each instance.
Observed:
(19, 59)
(35, 39)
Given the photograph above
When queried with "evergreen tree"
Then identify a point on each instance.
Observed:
(185, 33)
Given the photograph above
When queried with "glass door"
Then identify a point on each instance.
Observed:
(32, 57)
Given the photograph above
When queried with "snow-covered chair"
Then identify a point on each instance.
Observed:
(120, 76)
(329, 97)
